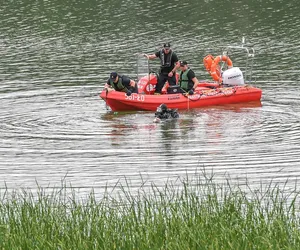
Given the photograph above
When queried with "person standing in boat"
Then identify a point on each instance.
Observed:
(187, 79)
(121, 83)
(168, 59)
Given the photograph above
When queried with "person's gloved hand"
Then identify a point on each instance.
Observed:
(191, 92)
(128, 93)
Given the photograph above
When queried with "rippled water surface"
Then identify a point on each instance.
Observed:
(55, 58)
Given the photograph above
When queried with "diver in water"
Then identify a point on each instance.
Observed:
(163, 113)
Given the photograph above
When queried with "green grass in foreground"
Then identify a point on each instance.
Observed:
(198, 214)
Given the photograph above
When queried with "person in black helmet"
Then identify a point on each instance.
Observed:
(121, 83)
(168, 60)
(163, 113)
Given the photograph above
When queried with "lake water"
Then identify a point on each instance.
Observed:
(56, 56)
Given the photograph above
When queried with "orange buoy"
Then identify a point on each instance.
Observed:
(215, 71)
(208, 60)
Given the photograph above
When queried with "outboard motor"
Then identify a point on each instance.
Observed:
(233, 76)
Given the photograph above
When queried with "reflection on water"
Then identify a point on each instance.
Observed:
(56, 56)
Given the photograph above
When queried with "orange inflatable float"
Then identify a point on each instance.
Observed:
(215, 68)
(208, 60)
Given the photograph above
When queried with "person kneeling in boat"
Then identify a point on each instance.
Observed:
(187, 79)
(163, 113)
(121, 83)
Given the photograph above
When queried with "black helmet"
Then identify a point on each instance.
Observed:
(162, 108)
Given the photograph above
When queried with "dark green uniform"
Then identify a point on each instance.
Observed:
(185, 79)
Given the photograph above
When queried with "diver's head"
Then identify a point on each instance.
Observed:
(162, 108)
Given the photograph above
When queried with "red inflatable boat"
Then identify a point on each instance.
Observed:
(234, 89)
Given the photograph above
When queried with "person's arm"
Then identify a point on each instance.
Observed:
(191, 75)
(193, 78)
(126, 81)
(108, 87)
(176, 65)
(133, 86)
(174, 113)
(152, 56)
(195, 81)
(130, 85)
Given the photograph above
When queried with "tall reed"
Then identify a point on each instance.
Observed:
(195, 213)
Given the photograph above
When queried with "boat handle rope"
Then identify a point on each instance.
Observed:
(233, 92)
(218, 91)
(186, 95)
